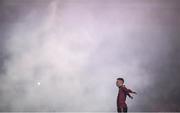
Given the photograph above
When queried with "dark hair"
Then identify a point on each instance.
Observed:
(120, 79)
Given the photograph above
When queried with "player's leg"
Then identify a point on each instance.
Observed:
(120, 110)
(125, 110)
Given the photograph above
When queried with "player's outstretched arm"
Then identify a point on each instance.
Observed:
(128, 90)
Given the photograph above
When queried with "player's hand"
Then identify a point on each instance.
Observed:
(131, 97)
(135, 93)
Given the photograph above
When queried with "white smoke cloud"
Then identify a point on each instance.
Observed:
(67, 56)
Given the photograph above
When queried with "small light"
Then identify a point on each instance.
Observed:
(38, 83)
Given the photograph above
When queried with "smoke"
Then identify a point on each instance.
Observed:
(63, 55)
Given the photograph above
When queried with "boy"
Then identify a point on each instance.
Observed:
(121, 98)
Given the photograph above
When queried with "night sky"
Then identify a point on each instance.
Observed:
(65, 55)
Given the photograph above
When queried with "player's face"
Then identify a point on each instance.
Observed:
(119, 83)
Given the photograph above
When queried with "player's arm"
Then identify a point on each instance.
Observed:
(128, 90)
(129, 96)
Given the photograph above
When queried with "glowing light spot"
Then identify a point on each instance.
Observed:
(38, 83)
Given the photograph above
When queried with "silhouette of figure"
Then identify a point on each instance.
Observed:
(121, 98)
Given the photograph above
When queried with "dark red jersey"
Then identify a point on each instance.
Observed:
(121, 98)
